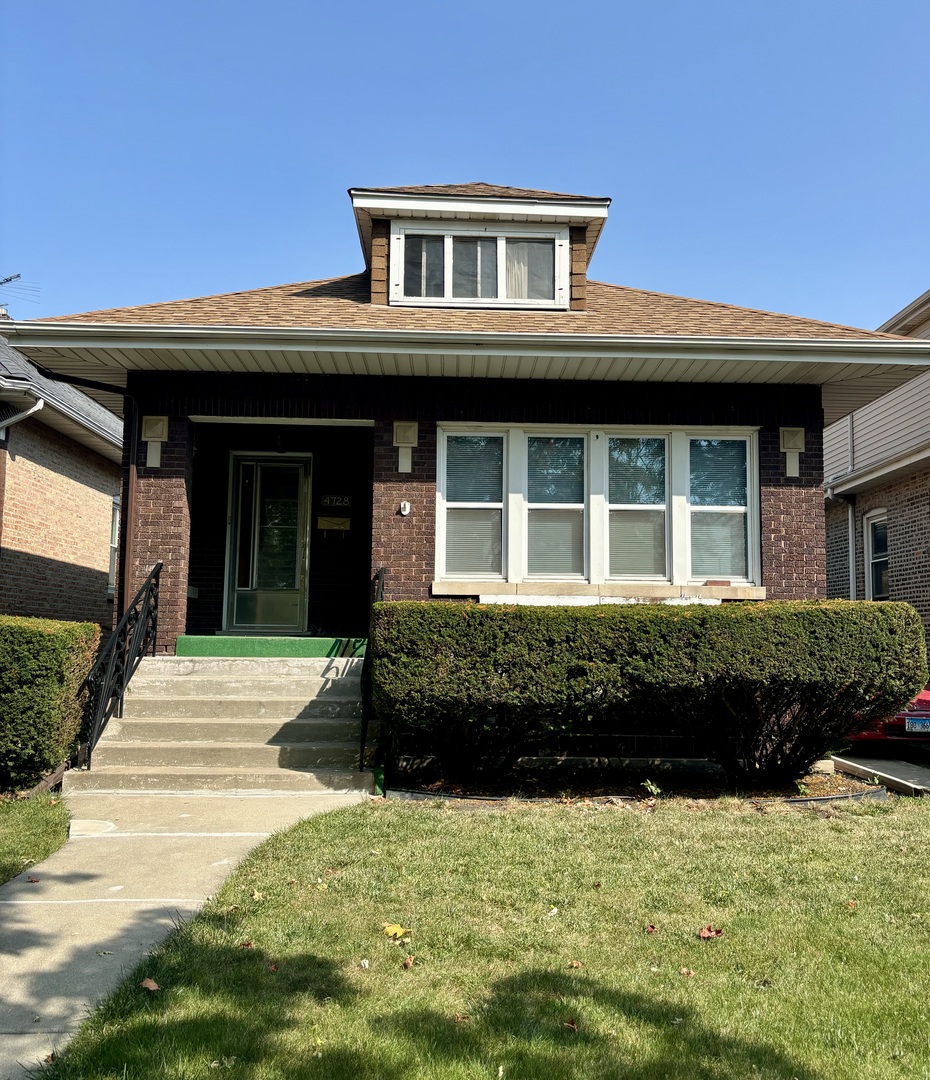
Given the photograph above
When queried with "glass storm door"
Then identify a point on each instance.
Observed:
(267, 585)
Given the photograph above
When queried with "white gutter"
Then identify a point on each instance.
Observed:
(850, 483)
(6, 424)
(670, 346)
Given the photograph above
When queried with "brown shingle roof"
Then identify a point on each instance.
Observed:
(477, 189)
(343, 303)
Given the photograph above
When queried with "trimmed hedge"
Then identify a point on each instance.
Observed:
(763, 688)
(43, 665)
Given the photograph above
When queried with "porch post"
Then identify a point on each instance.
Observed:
(161, 526)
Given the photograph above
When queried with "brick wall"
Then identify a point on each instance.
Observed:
(793, 544)
(405, 545)
(837, 536)
(907, 501)
(162, 528)
(57, 506)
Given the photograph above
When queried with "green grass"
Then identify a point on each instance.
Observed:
(30, 830)
(821, 970)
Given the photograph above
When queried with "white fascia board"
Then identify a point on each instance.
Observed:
(27, 390)
(914, 352)
(454, 206)
(850, 483)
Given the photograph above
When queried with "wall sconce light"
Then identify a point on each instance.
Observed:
(154, 433)
(406, 436)
(791, 441)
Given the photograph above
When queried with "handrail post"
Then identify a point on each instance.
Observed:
(375, 597)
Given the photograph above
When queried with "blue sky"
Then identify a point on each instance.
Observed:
(770, 155)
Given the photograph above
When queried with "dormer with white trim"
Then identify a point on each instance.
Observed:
(478, 245)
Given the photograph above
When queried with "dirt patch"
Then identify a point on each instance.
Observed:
(814, 785)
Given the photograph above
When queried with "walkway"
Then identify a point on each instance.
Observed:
(135, 865)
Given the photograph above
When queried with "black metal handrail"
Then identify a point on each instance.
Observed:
(377, 595)
(118, 661)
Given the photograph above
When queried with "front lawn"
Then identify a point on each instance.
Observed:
(30, 830)
(547, 942)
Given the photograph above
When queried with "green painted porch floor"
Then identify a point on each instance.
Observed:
(190, 645)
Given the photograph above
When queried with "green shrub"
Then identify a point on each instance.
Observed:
(43, 665)
(763, 688)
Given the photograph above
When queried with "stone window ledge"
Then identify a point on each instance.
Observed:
(607, 591)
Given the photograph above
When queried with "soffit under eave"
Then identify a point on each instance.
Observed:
(363, 218)
(845, 387)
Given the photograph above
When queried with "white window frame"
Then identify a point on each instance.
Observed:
(873, 517)
(500, 231)
(597, 506)
(113, 568)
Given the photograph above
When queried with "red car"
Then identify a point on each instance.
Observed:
(910, 726)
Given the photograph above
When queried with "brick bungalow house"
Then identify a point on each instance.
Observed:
(877, 481)
(60, 455)
(474, 414)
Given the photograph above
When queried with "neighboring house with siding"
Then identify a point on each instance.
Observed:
(60, 455)
(474, 414)
(877, 480)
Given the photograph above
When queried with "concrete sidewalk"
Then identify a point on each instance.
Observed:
(135, 865)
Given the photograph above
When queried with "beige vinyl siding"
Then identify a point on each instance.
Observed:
(895, 425)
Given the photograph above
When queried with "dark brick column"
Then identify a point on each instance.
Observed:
(162, 528)
(405, 545)
(794, 561)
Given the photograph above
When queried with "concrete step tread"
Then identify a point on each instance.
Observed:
(302, 744)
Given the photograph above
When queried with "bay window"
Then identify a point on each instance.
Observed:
(512, 266)
(675, 506)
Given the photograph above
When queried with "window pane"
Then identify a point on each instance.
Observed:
(637, 542)
(530, 269)
(556, 470)
(474, 267)
(475, 468)
(423, 259)
(718, 545)
(637, 471)
(473, 542)
(880, 579)
(276, 564)
(879, 539)
(718, 472)
(556, 542)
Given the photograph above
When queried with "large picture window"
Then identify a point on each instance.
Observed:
(673, 506)
(517, 267)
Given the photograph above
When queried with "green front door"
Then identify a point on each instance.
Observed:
(266, 585)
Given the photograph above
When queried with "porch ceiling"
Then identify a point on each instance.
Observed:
(852, 373)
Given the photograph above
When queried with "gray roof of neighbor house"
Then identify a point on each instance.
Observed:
(66, 408)
(481, 189)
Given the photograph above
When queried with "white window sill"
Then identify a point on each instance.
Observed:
(607, 590)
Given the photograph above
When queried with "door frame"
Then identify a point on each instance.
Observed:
(236, 458)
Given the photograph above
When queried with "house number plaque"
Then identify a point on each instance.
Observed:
(336, 500)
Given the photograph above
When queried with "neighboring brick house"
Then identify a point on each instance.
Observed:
(475, 414)
(877, 480)
(60, 455)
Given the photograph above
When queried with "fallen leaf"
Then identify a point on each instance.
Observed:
(570, 1024)
(851, 904)
(49, 1059)
(395, 930)
(54, 802)
(256, 895)
(32, 880)
(597, 884)
(461, 1018)
(709, 932)
(149, 984)
(37, 1019)
(650, 929)
(246, 944)
(330, 872)
(408, 963)
(552, 911)
(687, 972)
(574, 963)
(365, 964)
(272, 967)
(678, 1020)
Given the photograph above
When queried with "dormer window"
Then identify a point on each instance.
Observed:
(501, 266)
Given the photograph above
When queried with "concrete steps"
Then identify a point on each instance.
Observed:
(233, 724)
